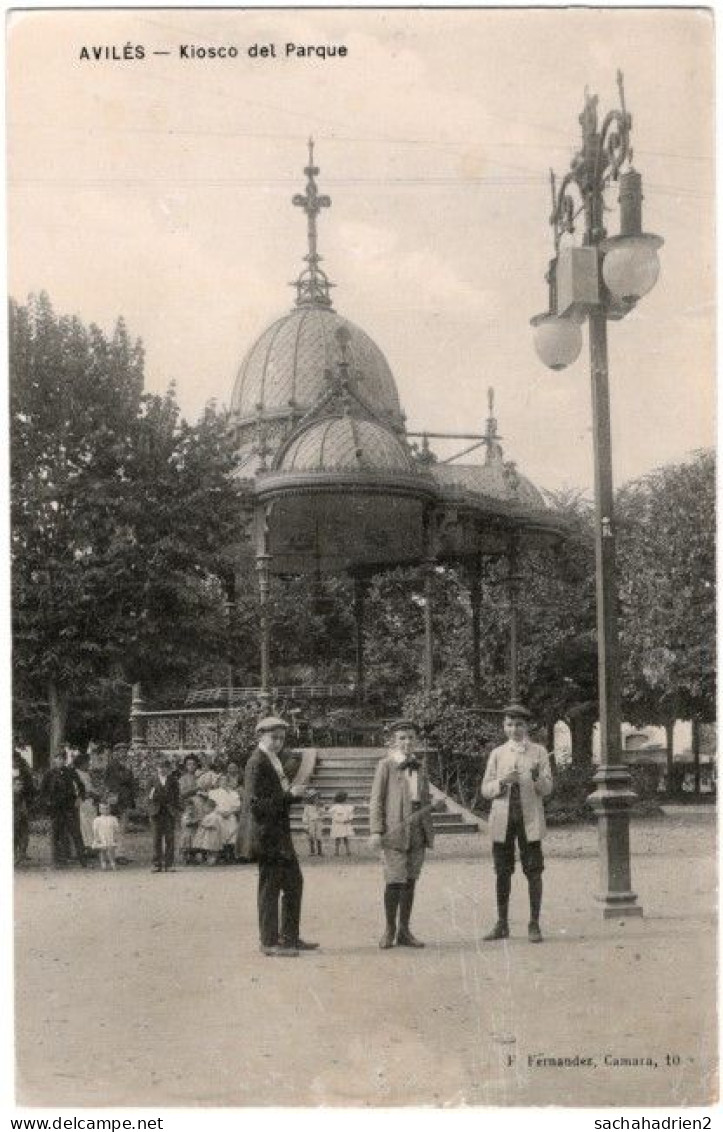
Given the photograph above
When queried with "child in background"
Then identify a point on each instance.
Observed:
(210, 835)
(106, 833)
(342, 818)
(312, 818)
(193, 811)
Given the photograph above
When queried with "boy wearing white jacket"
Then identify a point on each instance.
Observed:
(516, 780)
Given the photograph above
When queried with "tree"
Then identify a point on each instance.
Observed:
(73, 396)
(121, 516)
(668, 594)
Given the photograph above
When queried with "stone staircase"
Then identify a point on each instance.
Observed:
(352, 769)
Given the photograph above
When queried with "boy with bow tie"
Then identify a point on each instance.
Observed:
(401, 825)
(516, 779)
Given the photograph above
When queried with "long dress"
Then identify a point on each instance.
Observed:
(209, 836)
(86, 809)
(228, 805)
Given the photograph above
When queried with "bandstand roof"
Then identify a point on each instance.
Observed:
(343, 489)
(284, 371)
(494, 480)
(346, 442)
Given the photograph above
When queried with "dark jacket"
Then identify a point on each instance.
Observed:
(164, 801)
(25, 791)
(265, 817)
(119, 781)
(61, 788)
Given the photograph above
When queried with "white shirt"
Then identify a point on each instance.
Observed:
(412, 776)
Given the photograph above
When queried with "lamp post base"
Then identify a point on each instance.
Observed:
(625, 911)
(611, 802)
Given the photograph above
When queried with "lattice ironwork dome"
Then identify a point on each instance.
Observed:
(346, 443)
(283, 373)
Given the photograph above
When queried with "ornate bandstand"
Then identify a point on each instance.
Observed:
(334, 483)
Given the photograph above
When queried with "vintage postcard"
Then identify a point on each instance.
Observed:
(363, 557)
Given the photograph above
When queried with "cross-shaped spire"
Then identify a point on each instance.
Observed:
(312, 286)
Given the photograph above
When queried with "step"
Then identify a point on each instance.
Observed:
(336, 772)
(324, 768)
(439, 829)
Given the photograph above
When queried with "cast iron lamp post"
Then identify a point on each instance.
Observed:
(600, 280)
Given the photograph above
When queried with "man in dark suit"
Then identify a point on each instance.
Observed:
(268, 797)
(61, 790)
(163, 807)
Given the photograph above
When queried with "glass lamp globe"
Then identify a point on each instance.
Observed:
(631, 266)
(558, 341)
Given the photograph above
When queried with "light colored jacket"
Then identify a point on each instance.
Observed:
(503, 760)
(390, 808)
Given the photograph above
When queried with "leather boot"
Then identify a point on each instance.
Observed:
(404, 935)
(501, 930)
(534, 884)
(391, 904)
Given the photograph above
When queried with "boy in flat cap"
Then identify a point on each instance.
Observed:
(268, 797)
(401, 825)
(516, 779)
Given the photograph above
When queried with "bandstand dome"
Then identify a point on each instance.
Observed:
(284, 371)
(343, 443)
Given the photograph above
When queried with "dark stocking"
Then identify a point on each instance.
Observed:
(535, 887)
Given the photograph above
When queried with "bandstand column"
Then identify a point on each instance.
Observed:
(429, 565)
(475, 596)
(230, 609)
(360, 589)
(513, 588)
(138, 723)
(263, 573)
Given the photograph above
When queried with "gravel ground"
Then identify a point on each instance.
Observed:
(144, 989)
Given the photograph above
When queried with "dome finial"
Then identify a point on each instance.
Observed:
(312, 286)
(492, 438)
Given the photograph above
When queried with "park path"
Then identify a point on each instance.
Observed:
(149, 990)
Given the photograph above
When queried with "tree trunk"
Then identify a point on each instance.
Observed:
(58, 703)
(551, 735)
(581, 725)
(669, 762)
(695, 745)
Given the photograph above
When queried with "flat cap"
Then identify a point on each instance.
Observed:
(402, 725)
(517, 711)
(271, 723)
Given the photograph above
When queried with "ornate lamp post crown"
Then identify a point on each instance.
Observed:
(608, 274)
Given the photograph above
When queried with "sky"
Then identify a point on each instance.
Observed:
(160, 190)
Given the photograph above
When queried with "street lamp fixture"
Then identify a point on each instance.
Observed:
(597, 281)
(558, 341)
(630, 264)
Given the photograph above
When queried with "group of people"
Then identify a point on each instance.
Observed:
(220, 819)
(86, 814)
(208, 801)
(341, 814)
(517, 778)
